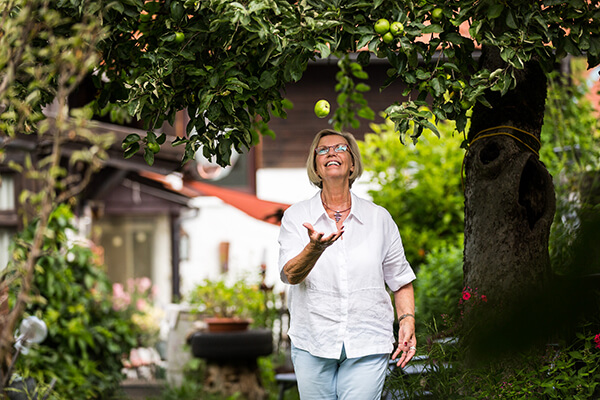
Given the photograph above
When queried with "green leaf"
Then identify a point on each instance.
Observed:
(451, 66)
(433, 28)
(507, 54)
(360, 74)
(454, 38)
(148, 156)
(438, 88)
(131, 150)
(129, 140)
(364, 40)
(576, 354)
(510, 20)
(324, 49)
(117, 6)
(423, 75)
(594, 45)
(366, 113)
(361, 87)
(495, 10)
(178, 141)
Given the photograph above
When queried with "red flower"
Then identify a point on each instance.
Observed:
(597, 340)
(484, 298)
(466, 295)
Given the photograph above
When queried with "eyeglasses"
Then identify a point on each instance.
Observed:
(338, 148)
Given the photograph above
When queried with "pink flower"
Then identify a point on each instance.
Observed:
(466, 296)
(597, 340)
(144, 284)
(141, 304)
(484, 298)
(118, 290)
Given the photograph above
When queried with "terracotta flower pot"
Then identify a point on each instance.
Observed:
(223, 324)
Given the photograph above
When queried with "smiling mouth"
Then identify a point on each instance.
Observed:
(330, 163)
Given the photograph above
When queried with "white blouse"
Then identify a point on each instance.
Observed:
(343, 301)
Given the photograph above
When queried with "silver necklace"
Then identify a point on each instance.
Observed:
(337, 214)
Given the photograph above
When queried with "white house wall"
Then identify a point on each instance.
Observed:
(251, 242)
(291, 185)
(161, 271)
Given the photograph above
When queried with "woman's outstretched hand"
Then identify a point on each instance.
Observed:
(317, 240)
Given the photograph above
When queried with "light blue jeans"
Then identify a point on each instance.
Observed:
(342, 379)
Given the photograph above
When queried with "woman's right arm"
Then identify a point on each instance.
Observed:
(298, 268)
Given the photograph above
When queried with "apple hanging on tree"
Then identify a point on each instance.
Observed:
(382, 26)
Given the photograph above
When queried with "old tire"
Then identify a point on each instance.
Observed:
(221, 346)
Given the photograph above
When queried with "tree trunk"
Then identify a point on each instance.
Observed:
(509, 208)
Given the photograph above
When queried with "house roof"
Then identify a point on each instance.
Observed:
(263, 210)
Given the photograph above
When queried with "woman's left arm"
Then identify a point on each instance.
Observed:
(404, 298)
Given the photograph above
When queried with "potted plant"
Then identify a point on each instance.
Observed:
(225, 307)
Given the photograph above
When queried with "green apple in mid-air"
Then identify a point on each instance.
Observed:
(322, 108)
(396, 28)
(382, 26)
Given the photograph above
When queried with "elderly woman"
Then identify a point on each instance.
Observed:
(338, 252)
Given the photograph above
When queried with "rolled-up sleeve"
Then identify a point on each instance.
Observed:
(397, 271)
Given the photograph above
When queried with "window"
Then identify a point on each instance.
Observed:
(7, 192)
(129, 247)
(7, 216)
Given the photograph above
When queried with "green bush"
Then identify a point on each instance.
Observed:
(571, 152)
(438, 286)
(87, 338)
(419, 185)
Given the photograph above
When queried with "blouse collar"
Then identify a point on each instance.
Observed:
(317, 210)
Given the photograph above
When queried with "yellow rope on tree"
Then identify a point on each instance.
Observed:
(498, 131)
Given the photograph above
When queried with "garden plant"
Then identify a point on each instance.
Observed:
(88, 337)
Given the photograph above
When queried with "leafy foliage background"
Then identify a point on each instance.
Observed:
(87, 337)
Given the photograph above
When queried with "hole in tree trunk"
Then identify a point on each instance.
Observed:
(531, 192)
(489, 153)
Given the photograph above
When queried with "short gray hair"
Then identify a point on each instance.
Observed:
(311, 166)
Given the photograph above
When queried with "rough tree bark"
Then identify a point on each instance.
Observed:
(509, 208)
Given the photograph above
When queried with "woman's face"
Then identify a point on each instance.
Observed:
(334, 165)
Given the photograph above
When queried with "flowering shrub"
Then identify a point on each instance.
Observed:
(467, 294)
(137, 300)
